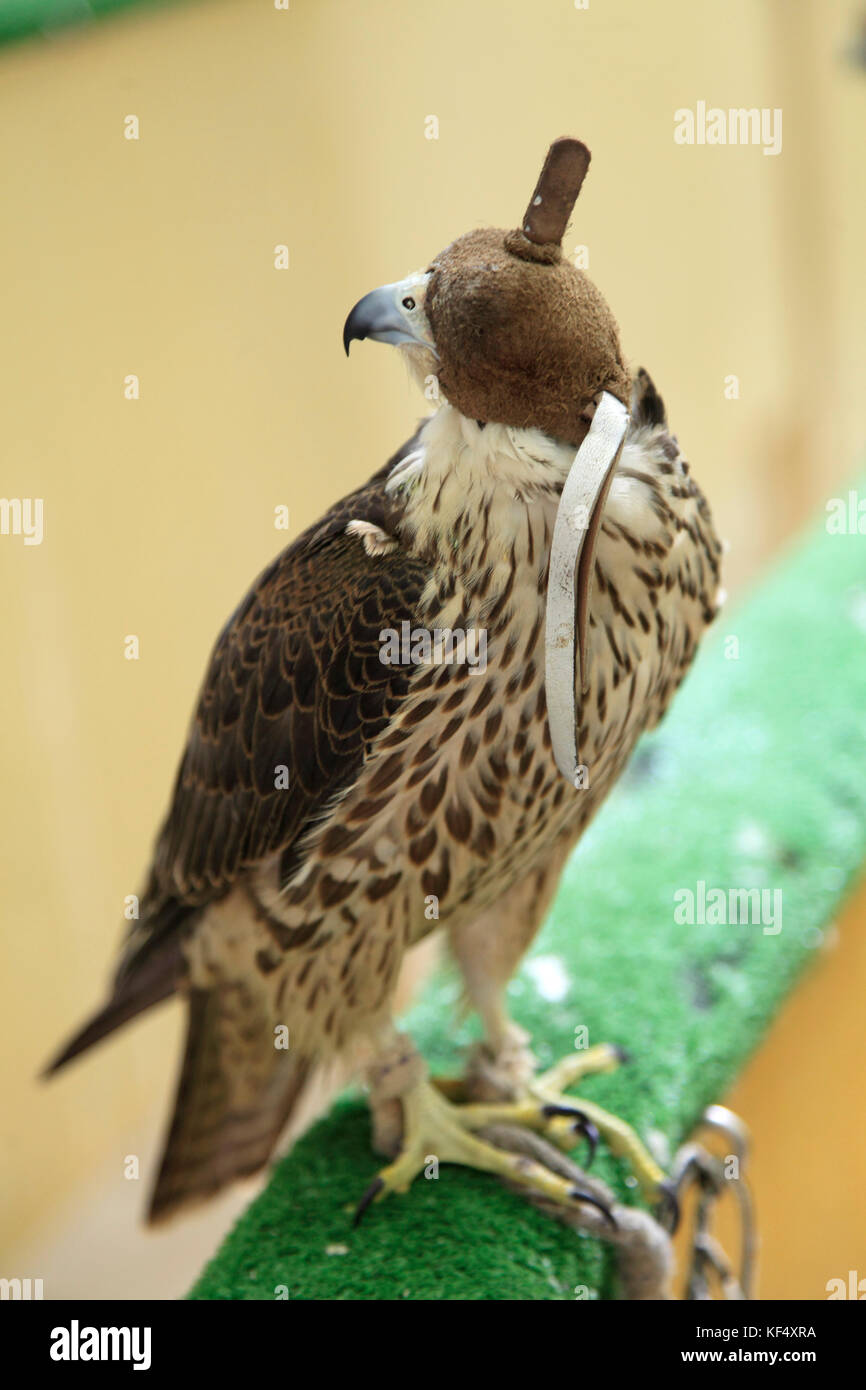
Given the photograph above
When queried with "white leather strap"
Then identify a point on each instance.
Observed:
(569, 584)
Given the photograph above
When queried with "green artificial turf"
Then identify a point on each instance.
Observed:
(33, 18)
(755, 779)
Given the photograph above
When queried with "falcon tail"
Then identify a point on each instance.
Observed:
(220, 1133)
(152, 981)
(236, 1090)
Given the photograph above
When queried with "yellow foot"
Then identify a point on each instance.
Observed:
(542, 1105)
(435, 1128)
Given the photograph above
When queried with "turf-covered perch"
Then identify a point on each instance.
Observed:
(24, 18)
(755, 783)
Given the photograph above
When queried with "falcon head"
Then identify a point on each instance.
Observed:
(513, 331)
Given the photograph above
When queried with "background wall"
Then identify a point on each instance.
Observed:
(155, 257)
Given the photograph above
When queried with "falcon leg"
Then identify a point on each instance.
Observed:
(501, 1070)
(435, 1129)
(500, 1079)
(542, 1104)
(619, 1137)
(496, 1071)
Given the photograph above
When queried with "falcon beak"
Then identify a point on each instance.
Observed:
(392, 314)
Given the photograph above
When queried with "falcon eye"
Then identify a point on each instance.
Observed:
(408, 302)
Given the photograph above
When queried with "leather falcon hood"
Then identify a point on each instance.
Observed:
(524, 338)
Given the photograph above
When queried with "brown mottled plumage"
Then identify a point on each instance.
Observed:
(418, 796)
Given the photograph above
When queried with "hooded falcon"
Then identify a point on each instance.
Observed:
(335, 802)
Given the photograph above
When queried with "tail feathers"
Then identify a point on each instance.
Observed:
(156, 979)
(235, 1095)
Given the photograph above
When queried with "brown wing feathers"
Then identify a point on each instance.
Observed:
(294, 680)
(296, 684)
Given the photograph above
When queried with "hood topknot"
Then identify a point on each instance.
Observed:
(524, 338)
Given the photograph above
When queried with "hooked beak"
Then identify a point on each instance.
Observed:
(391, 314)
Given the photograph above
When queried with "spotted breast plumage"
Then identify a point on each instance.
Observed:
(335, 804)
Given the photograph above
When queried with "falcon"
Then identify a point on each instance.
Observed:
(341, 796)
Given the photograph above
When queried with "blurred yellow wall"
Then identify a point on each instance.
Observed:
(155, 257)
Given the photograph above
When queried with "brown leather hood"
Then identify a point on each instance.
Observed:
(524, 338)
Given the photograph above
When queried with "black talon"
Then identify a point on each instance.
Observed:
(582, 1125)
(591, 1135)
(623, 1056)
(668, 1208)
(596, 1202)
(369, 1196)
